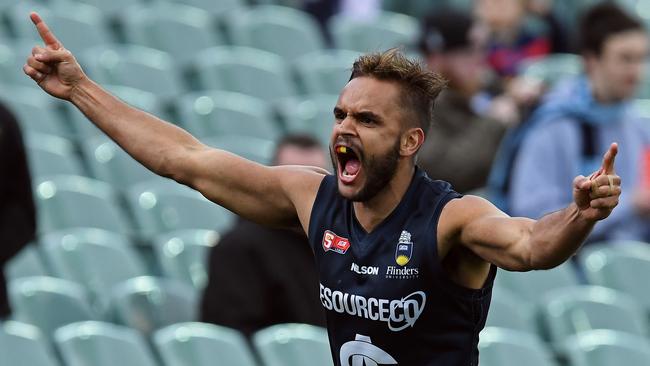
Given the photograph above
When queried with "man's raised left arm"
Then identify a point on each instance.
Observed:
(521, 244)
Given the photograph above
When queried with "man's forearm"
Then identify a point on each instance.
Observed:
(557, 236)
(151, 141)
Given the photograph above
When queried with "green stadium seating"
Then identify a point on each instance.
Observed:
(553, 68)
(313, 115)
(78, 26)
(532, 285)
(606, 348)
(183, 255)
(220, 113)
(201, 344)
(386, 31)
(177, 29)
(35, 111)
(51, 155)
(26, 263)
(24, 344)
(325, 72)
(149, 303)
(12, 60)
(93, 258)
(293, 344)
(146, 101)
(507, 310)
(572, 310)
(643, 91)
(251, 148)
(624, 266)
(285, 31)
(111, 9)
(507, 347)
(48, 302)
(102, 344)
(134, 66)
(245, 70)
(72, 201)
(164, 206)
(219, 8)
(110, 163)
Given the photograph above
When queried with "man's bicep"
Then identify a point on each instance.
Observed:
(266, 195)
(493, 235)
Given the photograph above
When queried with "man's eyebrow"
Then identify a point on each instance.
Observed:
(367, 115)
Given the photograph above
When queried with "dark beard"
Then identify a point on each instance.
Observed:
(379, 172)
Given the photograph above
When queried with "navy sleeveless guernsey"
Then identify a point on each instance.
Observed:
(387, 297)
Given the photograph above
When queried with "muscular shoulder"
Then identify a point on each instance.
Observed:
(301, 184)
(457, 215)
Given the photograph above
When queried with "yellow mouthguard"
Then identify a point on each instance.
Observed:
(343, 149)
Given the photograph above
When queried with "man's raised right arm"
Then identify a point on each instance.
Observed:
(269, 195)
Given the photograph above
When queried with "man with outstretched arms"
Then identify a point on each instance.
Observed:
(405, 264)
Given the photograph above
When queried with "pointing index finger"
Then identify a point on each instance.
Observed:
(609, 158)
(45, 32)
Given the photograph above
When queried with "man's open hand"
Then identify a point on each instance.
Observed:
(597, 195)
(54, 68)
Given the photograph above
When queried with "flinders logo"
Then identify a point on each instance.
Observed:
(404, 249)
(403, 254)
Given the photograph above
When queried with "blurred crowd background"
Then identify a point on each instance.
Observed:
(107, 264)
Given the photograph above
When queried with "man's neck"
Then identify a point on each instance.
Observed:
(371, 213)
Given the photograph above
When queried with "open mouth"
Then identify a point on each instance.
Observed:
(349, 164)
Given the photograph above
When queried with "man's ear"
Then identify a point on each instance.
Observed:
(411, 141)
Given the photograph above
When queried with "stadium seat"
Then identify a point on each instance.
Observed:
(293, 344)
(386, 31)
(134, 66)
(111, 9)
(643, 107)
(624, 266)
(606, 348)
(552, 68)
(78, 26)
(164, 206)
(284, 31)
(644, 89)
(51, 155)
(507, 310)
(220, 113)
(35, 111)
(149, 303)
(24, 344)
(26, 263)
(71, 201)
(245, 70)
(312, 115)
(91, 257)
(251, 148)
(507, 347)
(183, 255)
(325, 72)
(219, 8)
(572, 310)
(102, 344)
(111, 164)
(48, 302)
(178, 29)
(532, 285)
(146, 101)
(12, 60)
(197, 344)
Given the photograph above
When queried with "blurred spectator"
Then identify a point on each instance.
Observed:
(260, 276)
(463, 141)
(510, 39)
(580, 118)
(17, 212)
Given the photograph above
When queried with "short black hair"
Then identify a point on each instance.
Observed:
(602, 21)
(299, 140)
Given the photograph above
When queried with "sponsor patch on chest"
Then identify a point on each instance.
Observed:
(335, 243)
